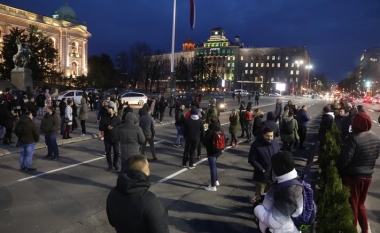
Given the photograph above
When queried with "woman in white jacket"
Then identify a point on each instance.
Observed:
(69, 117)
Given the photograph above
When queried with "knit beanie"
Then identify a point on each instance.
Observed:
(282, 163)
(362, 122)
(194, 111)
(112, 105)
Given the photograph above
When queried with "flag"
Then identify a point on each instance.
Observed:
(192, 14)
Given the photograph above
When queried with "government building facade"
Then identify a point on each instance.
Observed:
(248, 68)
(63, 30)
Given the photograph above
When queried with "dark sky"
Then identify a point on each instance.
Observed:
(335, 31)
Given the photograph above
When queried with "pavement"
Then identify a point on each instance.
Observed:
(69, 194)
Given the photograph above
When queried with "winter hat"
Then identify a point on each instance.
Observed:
(348, 105)
(194, 111)
(361, 109)
(112, 105)
(282, 163)
(362, 122)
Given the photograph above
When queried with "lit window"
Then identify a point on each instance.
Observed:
(246, 64)
(273, 64)
(242, 58)
(297, 72)
(251, 71)
(268, 57)
(286, 58)
(233, 64)
(228, 51)
(251, 64)
(273, 58)
(229, 58)
(272, 79)
(228, 64)
(291, 80)
(291, 72)
(256, 79)
(296, 80)
(262, 64)
(292, 64)
(233, 58)
(251, 58)
(233, 51)
(257, 64)
(286, 79)
(267, 64)
(279, 58)
(246, 72)
(298, 64)
(223, 51)
(286, 64)
(278, 65)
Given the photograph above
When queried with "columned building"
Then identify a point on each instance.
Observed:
(65, 33)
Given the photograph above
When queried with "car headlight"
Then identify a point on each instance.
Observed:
(222, 106)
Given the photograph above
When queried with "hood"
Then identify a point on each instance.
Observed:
(259, 113)
(132, 181)
(131, 118)
(214, 126)
(83, 101)
(194, 117)
(24, 120)
(362, 122)
(144, 111)
(331, 113)
(262, 140)
(270, 116)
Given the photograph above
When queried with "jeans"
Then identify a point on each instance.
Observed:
(170, 110)
(257, 102)
(97, 113)
(288, 146)
(109, 146)
(150, 140)
(358, 190)
(40, 111)
(51, 142)
(27, 151)
(213, 169)
(162, 116)
(242, 124)
(248, 127)
(179, 134)
(91, 105)
(83, 125)
(190, 147)
(2, 132)
(302, 130)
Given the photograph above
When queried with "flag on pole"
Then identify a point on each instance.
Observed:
(192, 14)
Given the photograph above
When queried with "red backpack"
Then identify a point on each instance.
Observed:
(219, 141)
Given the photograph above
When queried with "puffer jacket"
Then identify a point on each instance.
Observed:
(130, 136)
(275, 212)
(257, 122)
(359, 154)
(234, 124)
(27, 131)
(289, 137)
(50, 124)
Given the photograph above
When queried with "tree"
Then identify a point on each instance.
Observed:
(102, 71)
(138, 61)
(182, 72)
(200, 71)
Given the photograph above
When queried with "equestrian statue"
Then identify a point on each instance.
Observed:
(24, 53)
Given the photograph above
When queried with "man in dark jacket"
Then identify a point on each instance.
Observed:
(109, 125)
(338, 120)
(179, 120)
(91, 98)
(257, 122)
(62, 108)
(131, 207)
(28, 135)
(271, 123)
(193, 132)
(161, 108)
(260, 155)
(242, 110)
(49, 126)
(257, 98)
(278, 111)
(195, 103)
(24, 100)
(325, 125)
(171, 104)
(356, 165)
(41, 103)
(148, 128)
(347, 122)
(8, 118)
(302, 119)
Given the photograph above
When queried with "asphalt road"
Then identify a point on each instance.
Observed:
(69, 195)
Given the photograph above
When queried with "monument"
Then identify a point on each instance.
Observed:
(21, 75)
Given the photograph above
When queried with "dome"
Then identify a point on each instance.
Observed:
(189, 41)
(65, 12)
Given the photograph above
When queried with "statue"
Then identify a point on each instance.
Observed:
(25, 53)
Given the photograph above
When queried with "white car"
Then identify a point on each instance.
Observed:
(70, 94)
(134, 98)
(274, 95)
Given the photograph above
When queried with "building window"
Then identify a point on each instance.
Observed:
(242, 58)
(251, 64)
(268, 64)
(257, 64)
(246, 71)
(296, 80)
(278, 65)
(272, 79)
(251, 71)
(233, 64)
(286, 58)
(291, 72)
(297, 72)
(273, 58)
(273, 64)
(268, 57)
(75, 68)
(229, 58)
(228, 64)
(233, 58)
(256, 79)
(286, 79)
(292, 64)
(233, 51)
(278, 57)
(291, 80)
(246, 64)
(286, 64)
(223, 51)
(298, 64)
(74, 48)
(262, 64)
(251, 58)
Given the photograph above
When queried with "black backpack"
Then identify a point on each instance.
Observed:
(287, 127)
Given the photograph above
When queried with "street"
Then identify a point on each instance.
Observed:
(69, 194)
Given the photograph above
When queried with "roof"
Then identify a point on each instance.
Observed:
(65, 12)
(189, 41)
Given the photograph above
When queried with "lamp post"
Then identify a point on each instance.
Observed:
(173, 84)
(308, 67)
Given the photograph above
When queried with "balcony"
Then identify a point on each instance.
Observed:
(74, 54)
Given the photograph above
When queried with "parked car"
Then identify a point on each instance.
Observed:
(72, 94)
(111, 91)
(367, 99)
(184, 99)
(134, 98)
(17, 93)
(91, 88)
(275, 95)
(243, 92)
(221, 105)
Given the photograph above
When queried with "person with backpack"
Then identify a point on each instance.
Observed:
(211, 111)
(248, 119)
(242, 110)
(214, 141)
(234, 126)
(289, 132)
(260, 154)
(288, 206)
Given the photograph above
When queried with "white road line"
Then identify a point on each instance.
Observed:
(374, 121)
(185, 169)
(371, 110)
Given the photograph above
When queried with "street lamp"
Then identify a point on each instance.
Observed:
(308, 67)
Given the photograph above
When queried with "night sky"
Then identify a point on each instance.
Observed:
(335, 32)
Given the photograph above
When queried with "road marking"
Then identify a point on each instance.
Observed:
(371, 110)
(186, 169)
(374, 121)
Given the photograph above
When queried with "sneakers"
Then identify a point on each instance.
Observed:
(183, 166)
(32, 169)
(236, 145)
(217, 183)
(210, 188)
(102, 138)
(23, 169)
(176, 145)
(82, 134)
(191, 167)
(109, 168)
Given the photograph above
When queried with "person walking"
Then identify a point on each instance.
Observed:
(242, 110)
(260, 155)
(212, 152)
(278, 111)
(28, 135)
(109, 126)
(257, 123)
(179, 120)
(234, 126)
(62, 108)
(92, 100)
(289, 131)
(249, 97)
(24, 102)
(257, 99)
(68, 119)
(8, 118)
(131, 207)
(248, 119)
(48, 98)
(302, 120)
(171, 104)
(83, 115)
(98, 104)
(233, 95)
(148, 128)
(49, 127)
(193, 132)
(356, 164)
(271, 123)
(41, 103)
(161, 108)
(239, 98)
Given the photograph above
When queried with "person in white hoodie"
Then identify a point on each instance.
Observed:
(69, 117)
(279, 206)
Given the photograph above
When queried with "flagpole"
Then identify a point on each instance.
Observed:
(173, 81)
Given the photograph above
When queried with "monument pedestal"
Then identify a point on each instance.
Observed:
(22, 78)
